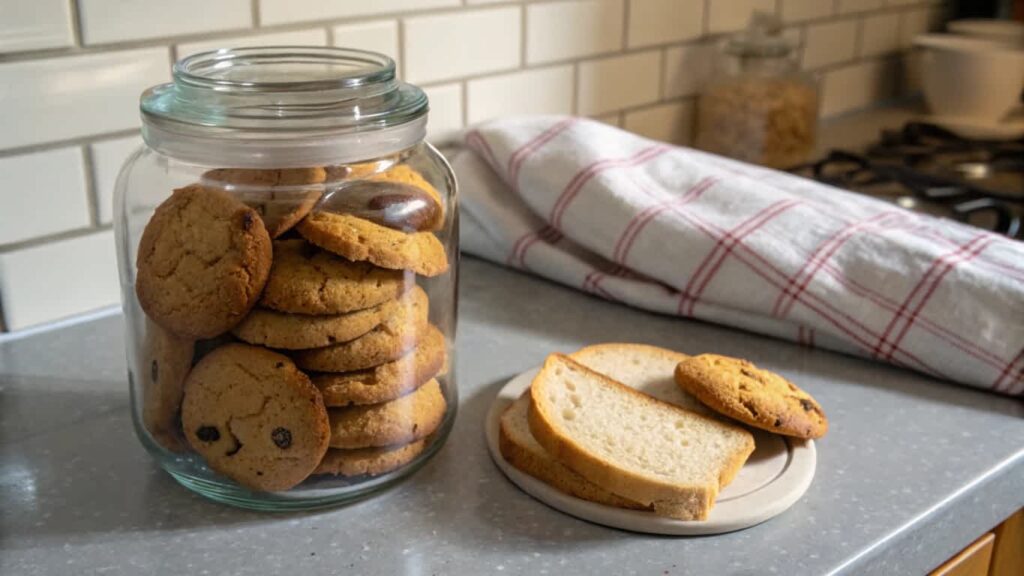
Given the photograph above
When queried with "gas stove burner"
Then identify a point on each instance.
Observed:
(928, 169)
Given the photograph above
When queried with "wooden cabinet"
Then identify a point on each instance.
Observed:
(996, 553)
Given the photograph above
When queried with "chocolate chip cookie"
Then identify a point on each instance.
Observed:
(203, 259)
(407, 419)
(739, 389)
(387, 342)
(387, 381)
(164, 361)
(301, 331)
(282, 197)
(307, 280)
(254, 417)
(369, 461)
(405, 174)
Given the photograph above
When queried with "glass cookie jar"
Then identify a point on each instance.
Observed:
(288, 252)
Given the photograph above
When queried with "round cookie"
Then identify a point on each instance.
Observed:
(301, 331)
(307, 280)
(739, 389)
(278, 195)
(254, 417)
(361, 240)
(407, 419)
(203, 259)
(404, 174)
(387, 381)
(164, 362)
(395, 336)
(368, 461)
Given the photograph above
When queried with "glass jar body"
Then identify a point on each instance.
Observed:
(758, 109)
(290, 326)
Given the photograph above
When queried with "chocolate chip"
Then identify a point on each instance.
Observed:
(208, 433)
(279, 365)
(750, 407)
(807, 405)
(282, 437)
(778, 422)
(154, 371)
(233, 451)
(392, 204)
(248, 219)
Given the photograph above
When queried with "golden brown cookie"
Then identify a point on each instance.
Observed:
(739, 389)
(395, 336)
(164, 362)
(254, 417)
(278, 195)
(203, 259)
(369, 461)
(407, 419)
(301, 331)
(387, 381)
(361, 240)
(307, 280)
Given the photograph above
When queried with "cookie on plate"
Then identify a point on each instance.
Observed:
(164, 362)
(277, 195)
(369, 461)
(254, 417)
(407, 419)
(307, 280)
(358, 239)
(387, 381)
(301, 331)
(203, 260)
(389, 341)
(740, 390)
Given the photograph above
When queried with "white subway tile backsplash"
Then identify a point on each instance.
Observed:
(914, 22)
(106, 21)
(35, 24)
(375, 36)
(44, 193)
(543, 91)
(445, 117)
(444, 46)
(880, 34)
(730, 15)
(57, 98)
(613, 119)
(619, 82)
(802, 10)
(107, 158)
(662, 21)
(830, 43)
(59, 279)
(672, 122)
(311, 37)
(687, 68)
(856, 86)
(563, 30)
(851, 6)
(287, 11)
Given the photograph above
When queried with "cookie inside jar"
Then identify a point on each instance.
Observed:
(296, 296)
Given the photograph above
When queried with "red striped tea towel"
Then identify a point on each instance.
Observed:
(682, 232)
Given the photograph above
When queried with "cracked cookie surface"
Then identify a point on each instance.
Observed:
(387, 381)
(389, 341)
(739, 389)
(407, 419)
(203, 259)
(287, 331)
(254, 417)
(307, 280)
(278, 195)
(368, 461)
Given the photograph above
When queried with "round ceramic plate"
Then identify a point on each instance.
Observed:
(775, 476)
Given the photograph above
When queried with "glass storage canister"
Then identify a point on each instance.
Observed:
(758, 106)
(288, 251)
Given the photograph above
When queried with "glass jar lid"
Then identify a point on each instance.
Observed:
(289, 105)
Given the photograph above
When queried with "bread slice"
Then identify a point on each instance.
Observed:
(631, 444)
(521, 450)
(649, 369)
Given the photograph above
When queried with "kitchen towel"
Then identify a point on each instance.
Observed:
(682, 232)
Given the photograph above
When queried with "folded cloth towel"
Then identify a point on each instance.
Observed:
(682, 232)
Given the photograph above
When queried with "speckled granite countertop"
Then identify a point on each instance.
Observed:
(912, 469)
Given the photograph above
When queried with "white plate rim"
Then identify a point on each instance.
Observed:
(738, 513)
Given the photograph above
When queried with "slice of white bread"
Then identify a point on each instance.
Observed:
(649, 369)
(631, 444)
(521, 450)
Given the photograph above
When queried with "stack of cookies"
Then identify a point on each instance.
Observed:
(286, 334)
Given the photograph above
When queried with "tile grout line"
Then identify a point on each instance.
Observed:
(51, 238)
(68, 142)
(255, 14)
(626, 5)
(91, 186)
(524, 18)
(75, 15)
